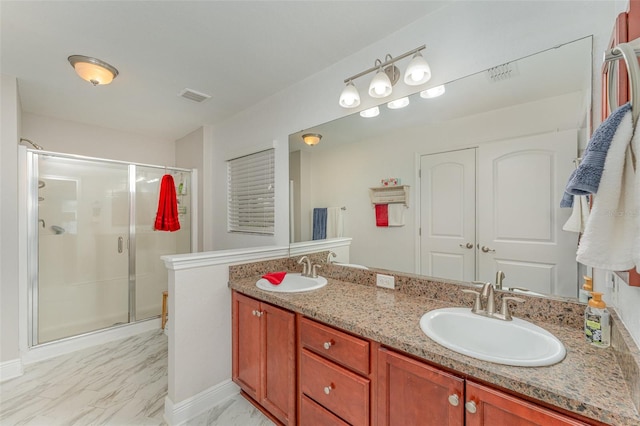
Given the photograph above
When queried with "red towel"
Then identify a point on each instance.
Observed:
(167, 216)
(275, 277)
(382, 215)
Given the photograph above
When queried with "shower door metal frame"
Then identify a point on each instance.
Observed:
(33, 242)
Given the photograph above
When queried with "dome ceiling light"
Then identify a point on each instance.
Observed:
(93, 70)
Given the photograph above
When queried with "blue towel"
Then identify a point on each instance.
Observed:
(319, 223)
(585, 179)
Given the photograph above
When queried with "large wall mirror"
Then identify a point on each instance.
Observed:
(485, 163)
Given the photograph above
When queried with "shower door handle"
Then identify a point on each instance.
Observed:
(120, 244)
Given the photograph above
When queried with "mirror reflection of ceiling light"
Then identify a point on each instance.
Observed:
(434, 92)
(93, 70)
(387, 74)
(398, 103)
(370, 113)
(311, 139)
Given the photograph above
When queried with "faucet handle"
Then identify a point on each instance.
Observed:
(477, 304)
(329, 256)
(506, 313)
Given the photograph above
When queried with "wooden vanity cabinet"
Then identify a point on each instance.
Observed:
(334, 376)
(264, 355)
(411, 392)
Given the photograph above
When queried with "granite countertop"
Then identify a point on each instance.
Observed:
(588, 382)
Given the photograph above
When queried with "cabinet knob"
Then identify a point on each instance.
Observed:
(454, 400)
(471, 407)
(327, 345)
(327, 389)
(257, 313)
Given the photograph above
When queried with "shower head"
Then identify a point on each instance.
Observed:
(33, 144)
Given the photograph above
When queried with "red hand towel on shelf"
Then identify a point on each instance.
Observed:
(382, 215)
(275, 277)
(167, 216)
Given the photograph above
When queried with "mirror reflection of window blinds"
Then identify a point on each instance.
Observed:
(251, 194)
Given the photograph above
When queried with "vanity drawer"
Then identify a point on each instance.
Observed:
(312, 414)
(340, 347)
(339, 390)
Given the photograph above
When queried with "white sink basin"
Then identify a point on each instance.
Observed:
(293, 283)
(516, 342)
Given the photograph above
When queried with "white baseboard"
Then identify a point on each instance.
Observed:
(180, 413)
(10, 369)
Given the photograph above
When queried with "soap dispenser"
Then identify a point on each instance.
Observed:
(597, 322)
(585, 292)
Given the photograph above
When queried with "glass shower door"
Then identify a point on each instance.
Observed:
(82, 279)
(150, 272)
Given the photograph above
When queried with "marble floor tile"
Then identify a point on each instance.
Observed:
(121, 383)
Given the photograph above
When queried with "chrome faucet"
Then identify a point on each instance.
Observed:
(329, 256)
(306, 266)
(499, 277)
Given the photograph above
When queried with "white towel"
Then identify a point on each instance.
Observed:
(396, 214)
(579, 214)
(610, 233)
(335, 222)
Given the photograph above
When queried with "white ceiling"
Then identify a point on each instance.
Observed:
(240, 52)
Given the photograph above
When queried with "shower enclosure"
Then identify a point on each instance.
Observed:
(94, 258)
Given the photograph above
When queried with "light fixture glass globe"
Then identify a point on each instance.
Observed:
(380, 86)
(418, 71)
(434, 92)
(398, 103)
(370, 113)
(349, 98)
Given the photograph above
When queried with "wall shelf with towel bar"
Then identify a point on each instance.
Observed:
(390, 195)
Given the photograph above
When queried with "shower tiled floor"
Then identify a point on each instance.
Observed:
(121, 383)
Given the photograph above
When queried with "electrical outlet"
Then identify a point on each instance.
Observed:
(386, 281)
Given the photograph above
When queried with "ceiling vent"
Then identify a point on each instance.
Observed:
(503, 72)
(192, 95)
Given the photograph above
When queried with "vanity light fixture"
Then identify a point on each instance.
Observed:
(350, 98)
(311, 139)
(434, 92)
(398, 103)
(370, 113)
(93, 70)
(387, 75)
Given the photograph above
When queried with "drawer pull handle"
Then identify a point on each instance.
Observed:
(327, 345)
(327, 389)
(471, 407)
(454, 400)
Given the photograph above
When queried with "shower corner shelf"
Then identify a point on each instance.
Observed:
(390, 195)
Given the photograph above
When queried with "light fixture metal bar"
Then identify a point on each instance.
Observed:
(384, 64)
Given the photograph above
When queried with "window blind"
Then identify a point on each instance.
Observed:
(250, 193)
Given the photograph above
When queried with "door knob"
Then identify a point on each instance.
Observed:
(468, 245)
(486, 249)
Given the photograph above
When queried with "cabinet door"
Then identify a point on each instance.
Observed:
(490, 407)
(278, 380)
(413, 393)
(246, 344)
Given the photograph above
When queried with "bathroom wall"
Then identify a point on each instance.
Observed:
(9, 244)
(341, 176)
(189, 152)
(93, 141)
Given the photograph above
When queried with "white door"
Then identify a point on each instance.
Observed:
(447, 215)
(520, 184)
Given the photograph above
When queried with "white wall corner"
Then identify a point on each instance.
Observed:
(183, 411)
(11, 369)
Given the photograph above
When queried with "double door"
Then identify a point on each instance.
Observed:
(496, 208)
